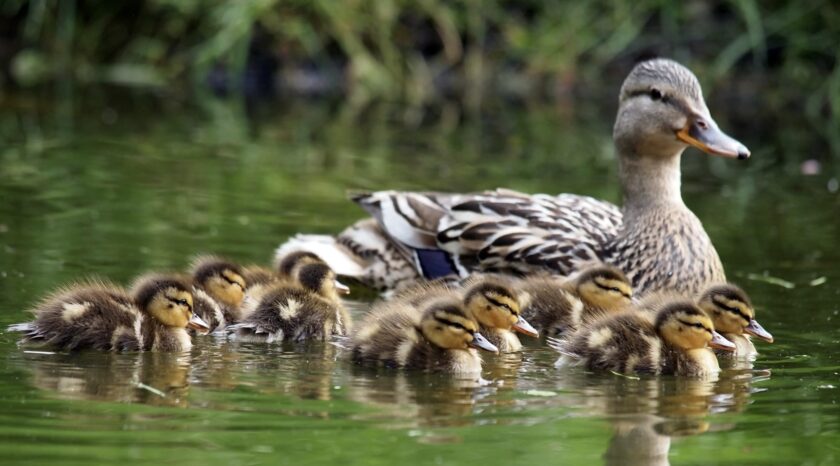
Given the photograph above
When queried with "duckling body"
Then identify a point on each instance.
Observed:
(491, 299)
(671, 341)
(654, 238)
(558, 306)
(439, 336)
(102, 316)
(309, 310)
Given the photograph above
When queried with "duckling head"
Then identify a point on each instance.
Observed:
(290, 263)
(732, 312)
(684, 325)
(662, 111)
(495, 305)
(222, 280)
(168, 300)
(446, 324)
(604, 287)
(320, 278)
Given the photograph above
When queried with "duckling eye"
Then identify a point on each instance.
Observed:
(655, 94)
(501, 305)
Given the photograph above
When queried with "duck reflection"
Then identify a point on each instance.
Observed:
(150, 377)
(415, 399)
(646, 413)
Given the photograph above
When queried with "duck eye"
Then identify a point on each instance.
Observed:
(655, 94)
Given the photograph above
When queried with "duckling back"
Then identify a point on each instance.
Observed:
(287, 313)
(390, 336)
(90, 315)
(549, 307)
(624, 343)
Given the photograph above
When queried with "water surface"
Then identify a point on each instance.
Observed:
(113, 185)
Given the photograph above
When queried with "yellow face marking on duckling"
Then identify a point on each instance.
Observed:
(172, 307)
(730, 316)
(494, 310)
(448, 330)
(687, 331)
(227, 287)
(606, 293)
(72, 311)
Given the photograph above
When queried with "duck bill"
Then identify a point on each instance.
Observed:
(482, 343)
(342, 288)
(522, 326)
(704, 134)
(198, 324)
(755, 329)
(721, 343)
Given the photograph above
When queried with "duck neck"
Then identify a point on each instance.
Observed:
(650, 181)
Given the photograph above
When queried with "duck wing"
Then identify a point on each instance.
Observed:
(500, 230)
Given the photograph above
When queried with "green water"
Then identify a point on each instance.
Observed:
(115, 185)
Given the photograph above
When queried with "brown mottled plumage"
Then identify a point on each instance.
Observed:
(654, 238)
(309, 310)
(558, 306)
(436, 336)
(673, 340)
(102, 316)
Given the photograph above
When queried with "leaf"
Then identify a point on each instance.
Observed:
(771, 280)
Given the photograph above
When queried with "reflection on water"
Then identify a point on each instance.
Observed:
(158, 183)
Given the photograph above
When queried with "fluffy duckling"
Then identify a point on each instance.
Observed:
(675, 340)
(734, 317)
(437, 336)
(558, 306)
(104, 317)
(311, 310)
(261, 279)
(490, 299)
(219, 289)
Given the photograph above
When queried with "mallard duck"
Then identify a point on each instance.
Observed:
(492, 301)
(438, 336)
(219, 289)
(654, 238)
(675, 340)
(734, 317)
(310, 310)
(557, 306)
(102, 316)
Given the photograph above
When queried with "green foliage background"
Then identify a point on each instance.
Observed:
(422, 51)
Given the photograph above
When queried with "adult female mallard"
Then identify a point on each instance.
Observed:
(654, 238)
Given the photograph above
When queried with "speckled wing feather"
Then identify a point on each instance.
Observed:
(498, 230)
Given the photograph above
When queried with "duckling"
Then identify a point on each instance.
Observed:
(102, 316)
(285, 272)
(311, 310)
(219, 289)
(675, 340)
(730, 309)
(556, 306)
(495, 306)
(437, 336)
(490, 299)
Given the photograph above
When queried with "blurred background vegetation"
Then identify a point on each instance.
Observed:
(782, 53)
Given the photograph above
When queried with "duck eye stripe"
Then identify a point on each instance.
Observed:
(696, 325)
(453, 324)
(500, 304)
(733, 310)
